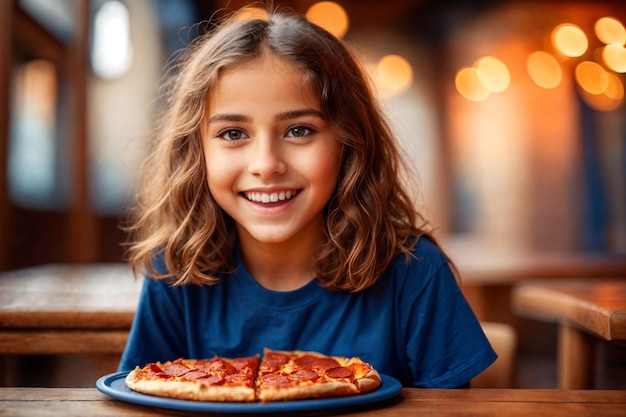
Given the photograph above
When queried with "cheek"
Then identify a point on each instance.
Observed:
(221, 172)
(324, 170)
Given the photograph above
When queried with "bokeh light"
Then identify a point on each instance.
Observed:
(614, 56)
(112, 52)
(570, 40)
(493, 74)
(250, 13)
(610, 31)
(591, 77)
(330, 16)
(615, 88)
(544, 69)
(610, 99)
(467, 82)
(395, 73)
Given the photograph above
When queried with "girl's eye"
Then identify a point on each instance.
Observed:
(232, 134)
(299, 132)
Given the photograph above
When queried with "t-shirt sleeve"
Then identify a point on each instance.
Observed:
(158, 329)
(446, 346)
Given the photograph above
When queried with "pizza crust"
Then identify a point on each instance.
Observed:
(298, 392)
(369, 382)
(188, 390)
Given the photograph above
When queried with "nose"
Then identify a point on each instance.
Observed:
(266, 158)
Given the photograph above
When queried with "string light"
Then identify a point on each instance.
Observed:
(597, 77)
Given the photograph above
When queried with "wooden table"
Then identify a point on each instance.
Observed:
(44, 402)
(64, 309)
(584, 310)
(488, 273)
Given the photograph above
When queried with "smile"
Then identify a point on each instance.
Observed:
(271, 197)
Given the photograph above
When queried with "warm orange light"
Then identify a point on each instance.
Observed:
(469, 86)
(615, 88)
(395, 72)
(493, 74)
(251, 13)
(38, 84)
(614, 56)
(570, 40)
(591, 77)
(611, 99)
(544, 69)
(610, 31)
(330, 16)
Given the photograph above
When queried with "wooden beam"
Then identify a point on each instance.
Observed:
(82, 233)
(6, 62)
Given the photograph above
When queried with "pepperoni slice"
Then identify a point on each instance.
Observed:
(193, 375)
(339, 372)
(220, 365)
(276, 358)
(238, 379)
(176, 369)
(275, 380)
(246, 365)
(274, 361)
(154, 368)
(270, 366)
(303, 375)
(325, 363)
(214, 379)
(306, 361)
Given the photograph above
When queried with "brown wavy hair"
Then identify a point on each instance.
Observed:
(370, 219)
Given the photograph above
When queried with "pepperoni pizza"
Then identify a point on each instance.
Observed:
(217, 379)
(290, 375)
(279, 376)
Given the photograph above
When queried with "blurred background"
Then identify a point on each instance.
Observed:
(511, 111)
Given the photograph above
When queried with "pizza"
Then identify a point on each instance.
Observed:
(290, 375)
(278, 376)
(217, 379)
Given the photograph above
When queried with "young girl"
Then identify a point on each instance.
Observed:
(275, 215)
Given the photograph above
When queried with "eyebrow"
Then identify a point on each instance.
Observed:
(293, 114)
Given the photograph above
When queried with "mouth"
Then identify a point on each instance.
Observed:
(269, 198)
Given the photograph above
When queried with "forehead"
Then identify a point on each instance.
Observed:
(267, 78)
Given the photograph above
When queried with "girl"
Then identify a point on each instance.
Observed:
(274, 215)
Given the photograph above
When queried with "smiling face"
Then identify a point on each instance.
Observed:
(272, 160)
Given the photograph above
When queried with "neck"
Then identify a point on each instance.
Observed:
(279, 267)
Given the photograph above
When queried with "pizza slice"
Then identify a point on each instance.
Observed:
(217, 379)
(290, 375)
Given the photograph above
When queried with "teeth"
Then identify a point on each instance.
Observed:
(272, 197)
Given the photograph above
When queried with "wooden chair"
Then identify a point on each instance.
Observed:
(501, 374)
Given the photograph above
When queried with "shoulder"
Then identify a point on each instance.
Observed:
(425, 247)
(426, 257)
(424, 267)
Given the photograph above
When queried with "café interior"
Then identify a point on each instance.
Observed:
(511, 112)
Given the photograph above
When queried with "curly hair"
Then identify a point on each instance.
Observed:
(370, 219)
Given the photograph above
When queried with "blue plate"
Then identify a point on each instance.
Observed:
(114, 386)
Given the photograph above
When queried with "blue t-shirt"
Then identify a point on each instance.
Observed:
(414, 324)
